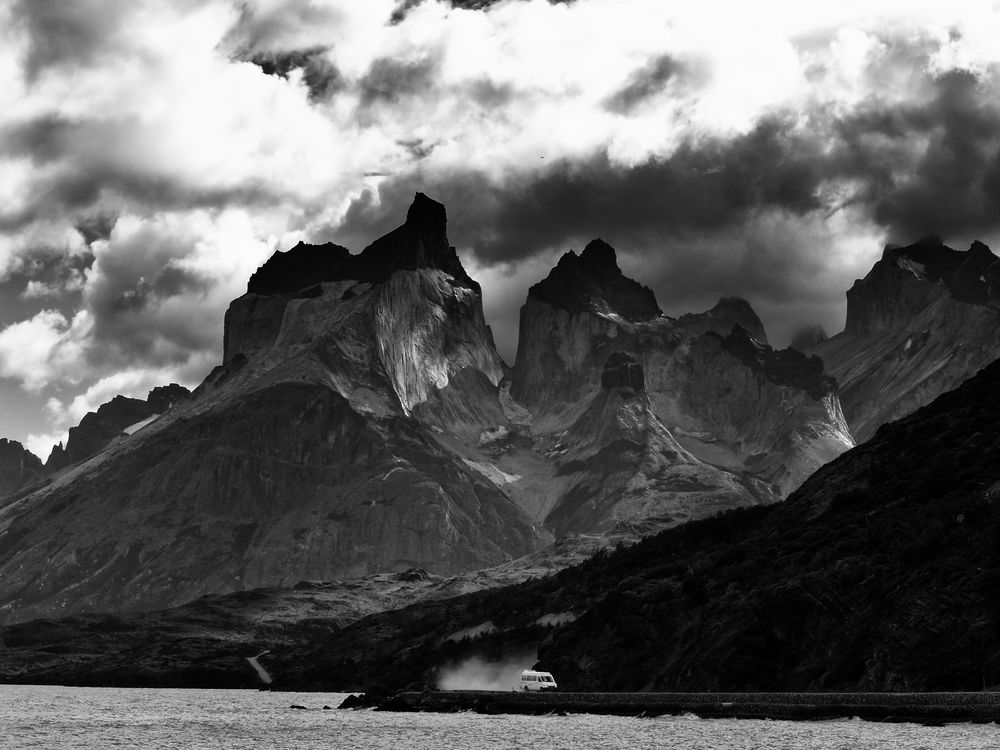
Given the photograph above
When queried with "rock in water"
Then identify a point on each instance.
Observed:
(923, 320)
(311, 453)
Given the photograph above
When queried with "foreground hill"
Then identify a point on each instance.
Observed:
(879, 573)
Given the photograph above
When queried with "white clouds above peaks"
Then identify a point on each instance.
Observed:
(154, 152)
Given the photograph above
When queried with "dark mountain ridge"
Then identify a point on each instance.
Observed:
(925, 318)
(420, 242)
(97, 429)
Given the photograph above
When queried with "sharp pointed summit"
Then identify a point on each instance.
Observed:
(420, 242)
(593, 282)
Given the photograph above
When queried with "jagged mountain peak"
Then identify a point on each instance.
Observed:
(427, 215)
(932, 260)
(302, 266)
(787, 367)
(727, 312)
(593, 282)
(908, 279)
(598, 257)
(420, 242)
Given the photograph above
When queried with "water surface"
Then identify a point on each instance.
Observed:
(59, 717)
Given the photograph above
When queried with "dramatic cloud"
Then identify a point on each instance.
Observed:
(153, 152)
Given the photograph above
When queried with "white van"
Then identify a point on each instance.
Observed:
(532, 680)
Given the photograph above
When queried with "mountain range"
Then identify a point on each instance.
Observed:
(361, 424)
(879, 573)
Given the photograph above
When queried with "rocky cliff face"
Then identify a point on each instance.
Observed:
(18, 467)
(315, 451)
(923, 320)
(111, 420)
(711, 379)
(626, 468)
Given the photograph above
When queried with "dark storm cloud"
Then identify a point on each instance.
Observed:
(388, 80)
(127, 292)
(319, 74)
(68, 33)
(96, 226)
(646, 82)
(915, 168)
(743, 215)
(932, 168)
(260, 30)
(403, 7)
(83, 165)
(700, 188)
(46, 271)
(169, 281)
(489, 94)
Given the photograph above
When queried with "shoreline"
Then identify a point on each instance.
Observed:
(921, 708)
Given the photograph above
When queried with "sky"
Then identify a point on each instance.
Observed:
(153, 153)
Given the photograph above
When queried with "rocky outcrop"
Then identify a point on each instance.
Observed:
(626, 468)
(97, 429)
(711, 379)
(18, 466)
(787, 367)
(323, 447)
(421, 242)
(593, 282)
(727, 313)
(923, 320)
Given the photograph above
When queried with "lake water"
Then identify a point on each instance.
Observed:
(58, 717)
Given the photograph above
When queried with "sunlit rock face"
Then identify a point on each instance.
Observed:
(922, 321)
(313, 452)
(710, 379)
(18, 467)
(402, 312)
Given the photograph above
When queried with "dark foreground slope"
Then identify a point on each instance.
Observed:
(880, 573)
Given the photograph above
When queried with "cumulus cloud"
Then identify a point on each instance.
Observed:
(153, 152)
(45, 349)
